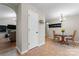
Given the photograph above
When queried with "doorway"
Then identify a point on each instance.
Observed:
(7, 28)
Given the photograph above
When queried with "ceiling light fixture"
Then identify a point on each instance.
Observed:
(61, 17)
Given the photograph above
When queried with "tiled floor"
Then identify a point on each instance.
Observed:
(54, 49)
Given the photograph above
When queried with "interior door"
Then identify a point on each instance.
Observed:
(32, 29)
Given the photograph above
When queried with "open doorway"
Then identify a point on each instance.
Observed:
(7, 28)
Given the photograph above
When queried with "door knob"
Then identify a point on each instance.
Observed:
(36, 32)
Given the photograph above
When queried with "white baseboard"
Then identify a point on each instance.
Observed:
(18, 49)
(22, 51)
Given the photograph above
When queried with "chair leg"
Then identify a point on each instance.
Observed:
(73, 42)
(67, 42)
(56, 38)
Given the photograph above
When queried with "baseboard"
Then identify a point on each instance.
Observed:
(20, 51)
(24, 52)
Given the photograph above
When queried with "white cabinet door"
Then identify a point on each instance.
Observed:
(32, 29)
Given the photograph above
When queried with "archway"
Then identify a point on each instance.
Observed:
(7, 27)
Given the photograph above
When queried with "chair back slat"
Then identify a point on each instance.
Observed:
(73, 36)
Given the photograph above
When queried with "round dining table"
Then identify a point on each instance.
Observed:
(62, 36)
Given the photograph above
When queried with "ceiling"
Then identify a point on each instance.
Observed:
(51, 10)
(54, 10)
(6, 11)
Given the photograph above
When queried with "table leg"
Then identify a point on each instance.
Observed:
(62, 40)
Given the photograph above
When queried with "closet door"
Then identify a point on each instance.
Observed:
(32, 29)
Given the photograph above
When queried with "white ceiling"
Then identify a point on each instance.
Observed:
(6, 11)
(51, 10)
(54, 10)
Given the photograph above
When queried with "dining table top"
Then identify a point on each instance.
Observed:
(65, 35)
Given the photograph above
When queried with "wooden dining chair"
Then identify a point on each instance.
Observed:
(71, 37)
(55, 36)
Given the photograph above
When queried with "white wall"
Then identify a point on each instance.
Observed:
(42, 30)
(13, 6)
(22, 27)
(19, 29)
(69, 24)
(6, 21)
